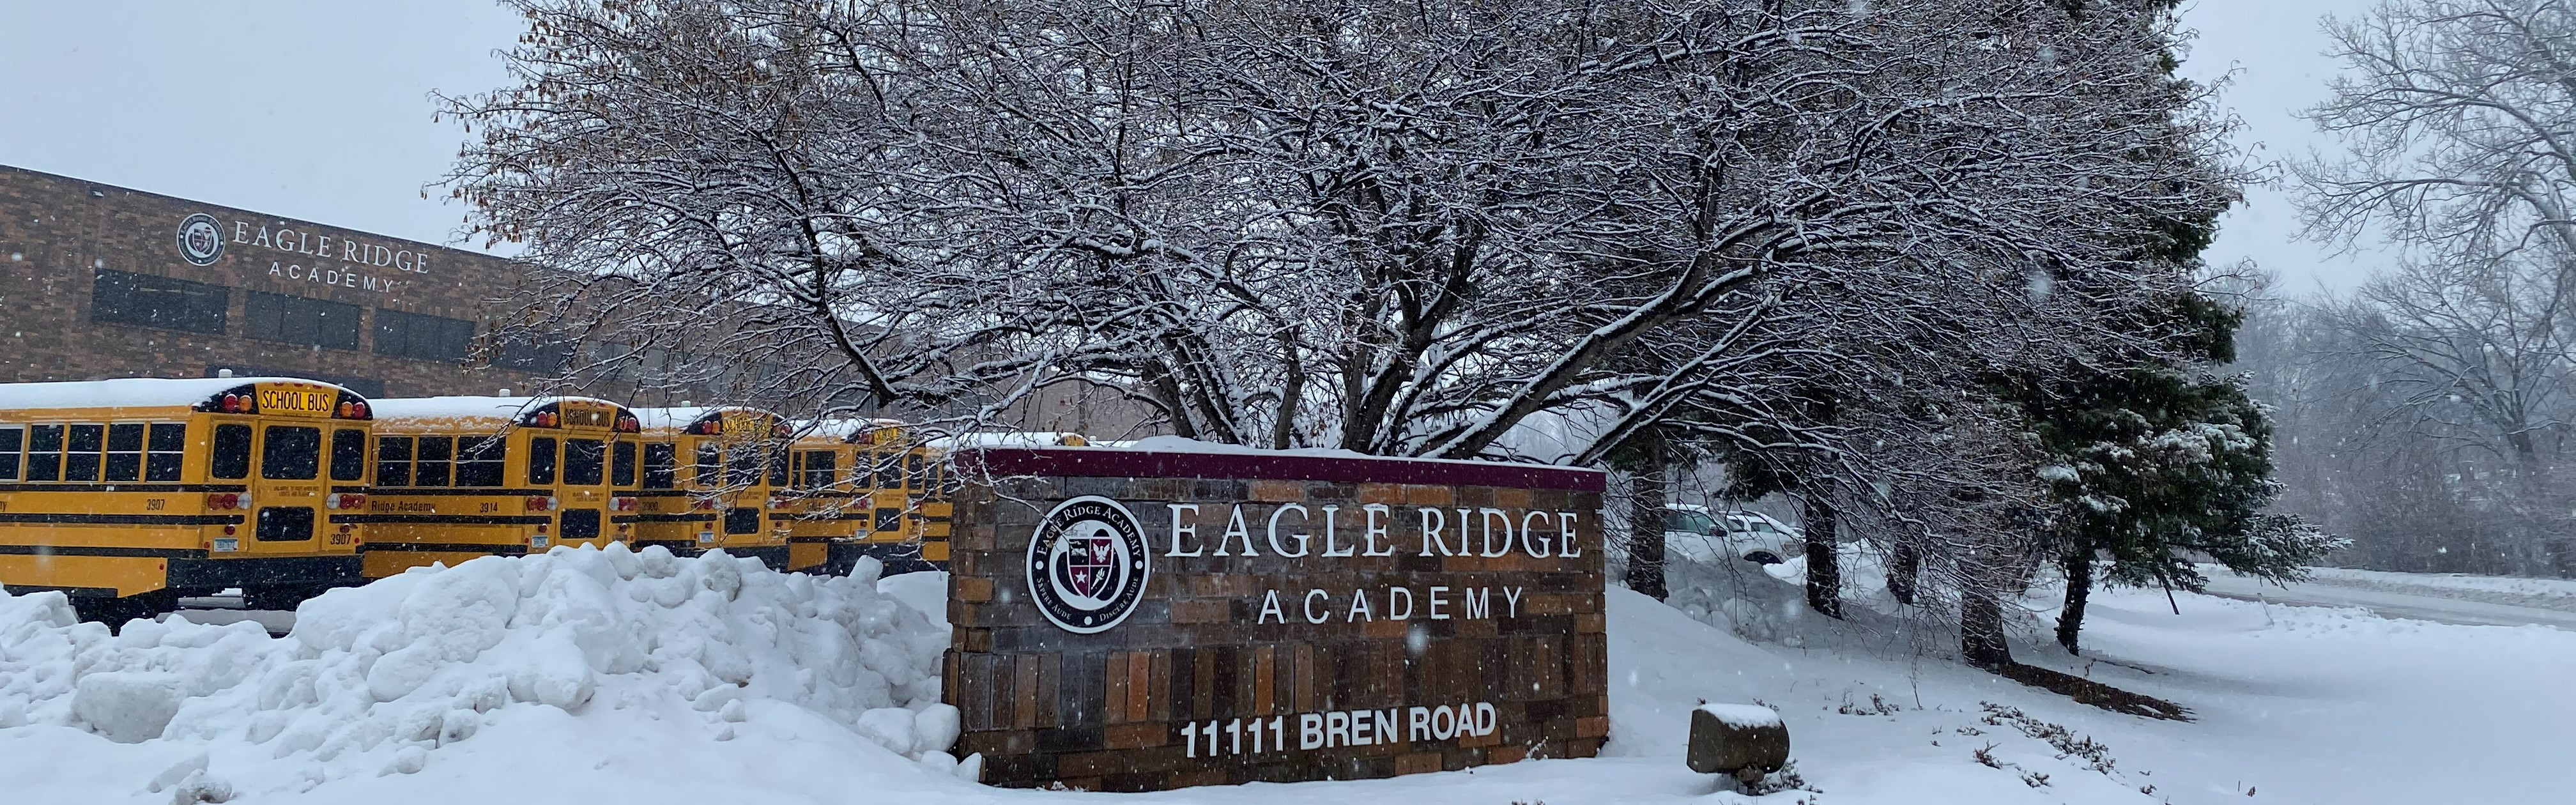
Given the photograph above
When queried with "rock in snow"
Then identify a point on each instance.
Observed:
(375, 679)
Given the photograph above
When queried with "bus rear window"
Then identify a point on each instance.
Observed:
(661, 465)
(541, 461)
(291, 454)
(710, 460)
(231, 458)
(348, 455)
(585, 461)
(621, 471)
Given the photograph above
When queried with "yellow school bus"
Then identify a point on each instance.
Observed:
(710, 479)
(468, 476)
(847, 496)
(127, 494)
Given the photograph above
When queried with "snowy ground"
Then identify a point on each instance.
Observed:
(2399, 598)
(2542, 593)
(2303, 705)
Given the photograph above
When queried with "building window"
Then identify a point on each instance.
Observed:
(429, 338)
(145, 300)
(301, 320)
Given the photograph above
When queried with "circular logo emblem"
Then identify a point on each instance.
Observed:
(1088, 564)
(201, 240)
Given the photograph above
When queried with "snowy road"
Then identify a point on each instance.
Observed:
(2388, 604)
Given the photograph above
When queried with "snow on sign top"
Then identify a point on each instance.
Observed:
(468, 406)
(1176, 457)
(1743, 715)
(134, 392)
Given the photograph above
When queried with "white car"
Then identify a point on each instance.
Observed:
(1695, 533)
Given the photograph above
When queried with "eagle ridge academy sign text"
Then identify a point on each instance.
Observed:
(1134, 620)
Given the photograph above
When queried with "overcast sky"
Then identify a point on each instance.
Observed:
(319, 109)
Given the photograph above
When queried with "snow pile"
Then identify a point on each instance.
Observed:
(1742, 715)
(380, 679)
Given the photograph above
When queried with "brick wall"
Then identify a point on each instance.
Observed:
(56, 232)
(1125, 708)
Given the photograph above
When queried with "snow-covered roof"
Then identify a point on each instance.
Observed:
(841, 428)
(467, 406)
(132, 392)
(677, 418)
(1016, 439)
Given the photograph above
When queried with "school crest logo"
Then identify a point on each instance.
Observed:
(1088, 564)
(201, 240)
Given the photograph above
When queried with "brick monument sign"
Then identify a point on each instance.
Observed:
(1133, 620)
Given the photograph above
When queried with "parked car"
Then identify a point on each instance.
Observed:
(1696, 533)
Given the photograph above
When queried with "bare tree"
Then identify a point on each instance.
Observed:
(1393, 228)
(2459, 131)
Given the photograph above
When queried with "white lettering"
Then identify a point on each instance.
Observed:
(1310, 731)
(402, 260)
(1337, 729)
(1359, 608)
(1361, 735)
(1301, 536)
(1385, 723)
(1444, 724)
(1417, 724)
(1236, 528)
(262, 240)
(1311, 615)
(1436, 614)
(420, 263)
(1433, 522)
(1565, 545)
(1537, 546)
(1270, 609)
(241, 231)
(1485, 718)
(1512, 598)
(1329, 539)
(1377, 529)
(322, 247)
(1479, 605)
(1179, 530)
(349, 251)
(1486, 518)
(1392, 595)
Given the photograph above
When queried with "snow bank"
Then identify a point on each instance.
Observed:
(382, 679)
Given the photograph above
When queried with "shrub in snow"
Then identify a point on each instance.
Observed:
(373, 679)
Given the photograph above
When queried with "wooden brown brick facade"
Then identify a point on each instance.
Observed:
(1125, 709)
(57, 232)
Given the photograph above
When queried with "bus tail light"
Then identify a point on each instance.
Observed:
(624, 504)
(344, 502)
(542, 504)
(227, 501)
(703, 504)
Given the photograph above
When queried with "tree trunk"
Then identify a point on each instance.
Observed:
(1904, 564)
(2079, 588)
(1646, 519)
(1981, 629)
(1824, 567)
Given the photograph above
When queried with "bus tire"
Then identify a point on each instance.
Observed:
(282, 597)
(115, 612)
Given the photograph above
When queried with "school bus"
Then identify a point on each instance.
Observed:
(710, 481)
(127, 494)
(847, 496)
(469, 476)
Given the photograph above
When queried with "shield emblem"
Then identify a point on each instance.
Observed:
(1090, 562)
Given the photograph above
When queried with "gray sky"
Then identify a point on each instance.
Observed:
(317, 109)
